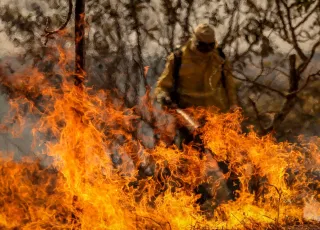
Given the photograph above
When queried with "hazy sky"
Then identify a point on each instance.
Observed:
(7, 47)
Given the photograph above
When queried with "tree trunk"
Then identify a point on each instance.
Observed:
(80, 42)
(291, 98)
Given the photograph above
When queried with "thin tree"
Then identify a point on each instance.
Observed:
(79, 31)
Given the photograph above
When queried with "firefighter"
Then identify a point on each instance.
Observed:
(203, 77)
(198, 74)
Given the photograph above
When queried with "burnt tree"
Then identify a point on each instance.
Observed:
(79, 31)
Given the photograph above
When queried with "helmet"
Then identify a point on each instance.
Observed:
(204, 38)
(205, 33)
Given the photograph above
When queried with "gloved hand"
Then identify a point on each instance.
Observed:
(165, 100)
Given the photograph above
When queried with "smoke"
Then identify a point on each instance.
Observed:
(9, 145)
(312, 211)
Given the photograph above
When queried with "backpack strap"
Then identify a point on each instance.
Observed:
(221, 53)
(176, 69)
(223, 77)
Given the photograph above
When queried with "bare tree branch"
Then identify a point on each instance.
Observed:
(258, 84)
(49, 33)
(230, 27)
(255, 108)
(305, 84)
(293, 34)
(316, 7)
(186, 24)
(284, 26)
(305, 64)
(290, 98)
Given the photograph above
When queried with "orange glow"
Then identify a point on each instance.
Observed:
(84, 189)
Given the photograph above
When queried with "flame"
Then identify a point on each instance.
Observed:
(85, 188)
(145, 70)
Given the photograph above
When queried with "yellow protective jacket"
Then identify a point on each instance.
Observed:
(199, 80)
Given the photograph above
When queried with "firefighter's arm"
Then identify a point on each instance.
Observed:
(230, 85)
(165, 83)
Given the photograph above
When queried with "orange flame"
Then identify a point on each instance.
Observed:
(85, 189)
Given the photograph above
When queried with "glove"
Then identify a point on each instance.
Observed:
(164, 99)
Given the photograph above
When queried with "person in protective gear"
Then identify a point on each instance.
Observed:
(205, 77)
